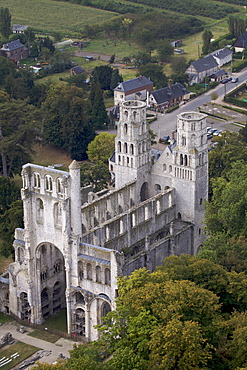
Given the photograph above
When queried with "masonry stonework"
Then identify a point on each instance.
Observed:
(76, 243)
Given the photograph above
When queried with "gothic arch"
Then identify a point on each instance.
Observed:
(78, 298)
(144, 193)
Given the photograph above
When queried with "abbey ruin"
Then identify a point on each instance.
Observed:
(75, 242)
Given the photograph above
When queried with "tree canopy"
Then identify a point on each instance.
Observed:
(5, 22)
(101, 148)
(66, 124)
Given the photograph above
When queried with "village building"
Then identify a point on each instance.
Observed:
(19, 28)
(241, 43)
(14, 50)
(77, 70)
(201, 68)
(168, 96)
(222, 56)
(75, 243)
(135, 89)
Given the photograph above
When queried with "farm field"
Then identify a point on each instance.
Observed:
(49, 16)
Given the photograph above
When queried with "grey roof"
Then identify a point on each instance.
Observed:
(241, 41)
(204, 64)
(19, 27)
(135, 83)
(13, 45)
(94, 259)
(222, 53)
(78, 69)
(169, 93)
(219, 73)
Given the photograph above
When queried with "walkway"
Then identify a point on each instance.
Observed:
(61, 346)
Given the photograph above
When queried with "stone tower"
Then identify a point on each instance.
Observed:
(133, 148)
(190, 173)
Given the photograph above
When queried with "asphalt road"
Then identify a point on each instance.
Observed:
(166, 123)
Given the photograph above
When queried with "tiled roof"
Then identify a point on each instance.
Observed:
(222, 53)
(241, 41)
(19, 27)
(78, 69)
(13, 45)
(204, 64)
(135, 83)
(169, 93)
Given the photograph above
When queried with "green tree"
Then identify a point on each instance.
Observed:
(206, 38)
(98, 114)
(9, 221)
(179, 64)
(6, 67)
(9, 193)
(155, 73)
(101, 148)
(103, 74)
(20, 129)
(165, 50)
(5, 22)
(116, 78)
(66, 124)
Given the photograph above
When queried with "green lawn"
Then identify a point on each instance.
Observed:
(57, 321)
(24, 350)
(50, 16)
(44, 335)
(4, 318)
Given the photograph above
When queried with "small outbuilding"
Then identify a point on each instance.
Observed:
(77, 70)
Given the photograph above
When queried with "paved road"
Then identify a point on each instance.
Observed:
(61, 346)
(166, 123)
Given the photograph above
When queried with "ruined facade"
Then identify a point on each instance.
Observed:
(75, 242)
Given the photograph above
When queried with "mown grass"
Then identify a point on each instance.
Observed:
(44, 335)
(4, 318)
(57, 321)
(24, 350)
(48, 155)
(50, 16)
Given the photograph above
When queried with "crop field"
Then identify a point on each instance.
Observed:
(49, 16)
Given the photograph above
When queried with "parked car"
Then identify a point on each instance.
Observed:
(209, 128)
(229, 78)
(212, 130)
(235, 79)
(209, 136)
(164, 139)
(224, 81)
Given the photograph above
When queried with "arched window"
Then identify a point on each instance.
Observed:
(20, 254)
(126, 114)
(185, 160)
(170, 168)
(105, 309)
(37, 180)
(48, 183)
(57, 214)
(125, 128)
(107, 276)
(131, 149)
(157, 188)
(89, 271)
(164, 167)
(59, 186)
(39, 210)
(44, 274)
(57, 267)
(80, 270)
(181, 159)
(134, 115)
(119, 146)
(98, 274)
(125, 148)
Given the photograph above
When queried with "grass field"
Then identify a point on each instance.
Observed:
(44, 335)
(50, 16)
(57, 321)
(48, 155)
(4, 318)
(24, 350)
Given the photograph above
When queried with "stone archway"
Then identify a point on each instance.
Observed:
(53, 281)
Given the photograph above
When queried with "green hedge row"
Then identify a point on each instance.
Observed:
(169, 110)
(235, 109)
(235, 101)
